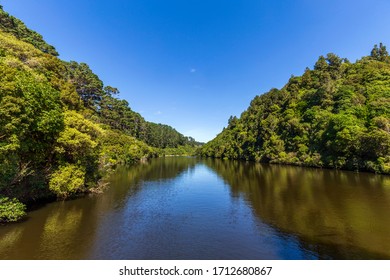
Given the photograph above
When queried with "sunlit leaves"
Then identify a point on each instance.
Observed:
(11, 210)
(17, 28)
(54, 121)
(79, 138)
(336, 115)
(67, 180)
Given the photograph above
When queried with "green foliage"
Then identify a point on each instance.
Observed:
(11, 210)
(380, 53)
(87, 84)
(60, 129)
(79, 137)
(164, 136)
(117, 114)
(109, 110)
(119, 148)
(17, 28)
(186, 150)
(67, 180)
(31, 118)
(336, 115)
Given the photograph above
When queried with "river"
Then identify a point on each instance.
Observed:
(191, 208)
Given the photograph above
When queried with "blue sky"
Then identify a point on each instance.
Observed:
(192, 63)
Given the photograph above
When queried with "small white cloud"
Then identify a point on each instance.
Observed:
(158, 113)
(193, 70)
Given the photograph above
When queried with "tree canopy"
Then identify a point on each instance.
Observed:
(61, 128)
(17, 28)
(336, 115)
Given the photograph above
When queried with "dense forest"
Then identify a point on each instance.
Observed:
(336, 115)
(61, 128)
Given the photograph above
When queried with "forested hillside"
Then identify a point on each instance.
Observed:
(61, 129)
(17, 28)
(336, 115)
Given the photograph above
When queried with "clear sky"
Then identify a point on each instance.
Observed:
(193, 63)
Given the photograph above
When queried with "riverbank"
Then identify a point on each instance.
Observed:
(193, 208)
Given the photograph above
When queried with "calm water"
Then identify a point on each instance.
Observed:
(188, 208)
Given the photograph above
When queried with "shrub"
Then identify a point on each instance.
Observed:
(11, 210)
(67, 180)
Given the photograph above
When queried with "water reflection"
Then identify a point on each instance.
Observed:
(188, 208)
(335, 214)
(69, 229)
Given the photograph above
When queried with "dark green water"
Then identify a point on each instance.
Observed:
(188, 208)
